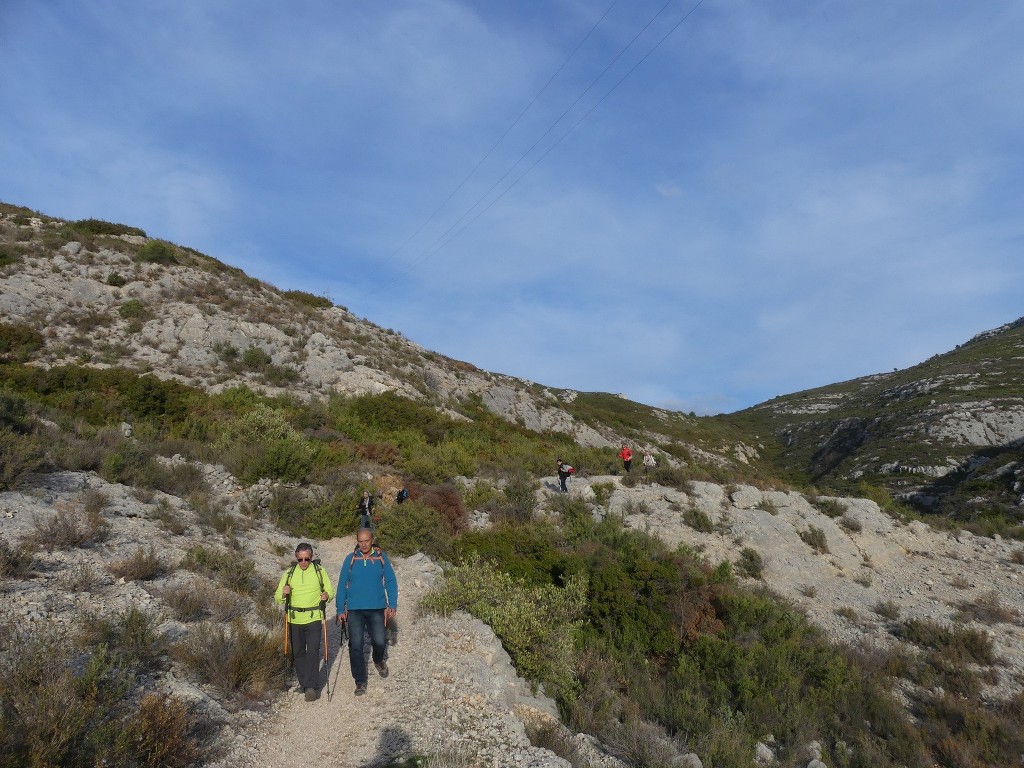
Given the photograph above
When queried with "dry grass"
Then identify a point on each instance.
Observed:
(141, 565)
(241, 664)
(70, 527)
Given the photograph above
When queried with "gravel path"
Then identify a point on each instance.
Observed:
(451, 691)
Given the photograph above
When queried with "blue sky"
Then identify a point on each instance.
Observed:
(741, 199)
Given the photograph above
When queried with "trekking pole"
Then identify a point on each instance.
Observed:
(327, 663)
(341, 644)
(286, 630)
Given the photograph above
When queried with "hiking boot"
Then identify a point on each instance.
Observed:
(382, 669)
(360, 689)
(311, 694)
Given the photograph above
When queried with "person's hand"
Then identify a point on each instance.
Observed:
(390, 613)
(341, 618)
(287, 589)
(324, 597)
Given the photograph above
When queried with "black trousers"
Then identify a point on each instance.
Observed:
(306, 651)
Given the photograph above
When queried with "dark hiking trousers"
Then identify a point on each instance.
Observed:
(306, 651)
(360, 621)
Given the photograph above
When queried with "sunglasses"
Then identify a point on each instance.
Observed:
(304, 559)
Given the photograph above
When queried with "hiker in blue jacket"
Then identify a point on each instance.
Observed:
(367, 598)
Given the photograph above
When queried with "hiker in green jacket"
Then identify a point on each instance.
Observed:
(305, 591)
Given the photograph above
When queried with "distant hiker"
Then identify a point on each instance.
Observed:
(365, 510)
(627, 457)
(564, 472)
(367, 600)
(649, 462)
(402, 495)
(305, 591)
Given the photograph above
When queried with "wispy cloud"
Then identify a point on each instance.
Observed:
(779, 196)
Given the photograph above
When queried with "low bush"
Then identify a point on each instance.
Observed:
(19, 341)
(157, 252)
(197, 599)
(141, 564)
(958, 644)
(238, 662)
(698, 519)
(133, 308)
(80, 577)
(234, 571)
(15, 560)
(815, 538)
(132, 638)
(987, 609)
(750, 564)
(538, 625)
(24, 455)
(308, 299)
(64, 705)
(850, 524)
(100, 227)
(829, 507)
(69, 527)
(414, 527)
(116, 279)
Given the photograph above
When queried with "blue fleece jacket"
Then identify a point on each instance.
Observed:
(367, 582)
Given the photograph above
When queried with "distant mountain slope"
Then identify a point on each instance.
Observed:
(106, 295)
(925, 433)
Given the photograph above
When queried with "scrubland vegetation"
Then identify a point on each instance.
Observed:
(645, 647)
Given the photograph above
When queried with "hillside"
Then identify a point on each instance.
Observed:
(945, 435)
(104, 295)
(169, 427)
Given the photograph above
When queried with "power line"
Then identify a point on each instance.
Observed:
(437, 245)
(508, 130)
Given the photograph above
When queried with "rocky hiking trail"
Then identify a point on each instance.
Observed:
(451, 691)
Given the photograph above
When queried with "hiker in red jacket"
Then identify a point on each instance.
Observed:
(627, 457)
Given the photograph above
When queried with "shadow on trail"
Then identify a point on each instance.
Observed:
(393, 746)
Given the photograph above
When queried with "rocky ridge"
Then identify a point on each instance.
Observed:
(191, 318)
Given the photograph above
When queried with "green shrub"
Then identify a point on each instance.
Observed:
(602, 492)
(769, 506)
(815, 538)
(132, 637)
(157, 252)
(750, 564)
(538, 625)
(414, 527)
(133, 308)
(958, 644)
(99, 227)
(23, 456)
(116, 279)
(698, 519)
(65, 707)
(829, 507)
(261, 443)
(19, 341)
(308, 299)
(229, 568)
(256, 358)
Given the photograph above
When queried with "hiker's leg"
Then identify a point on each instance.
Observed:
(303, 653)
(356, 659)
(378, 635)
